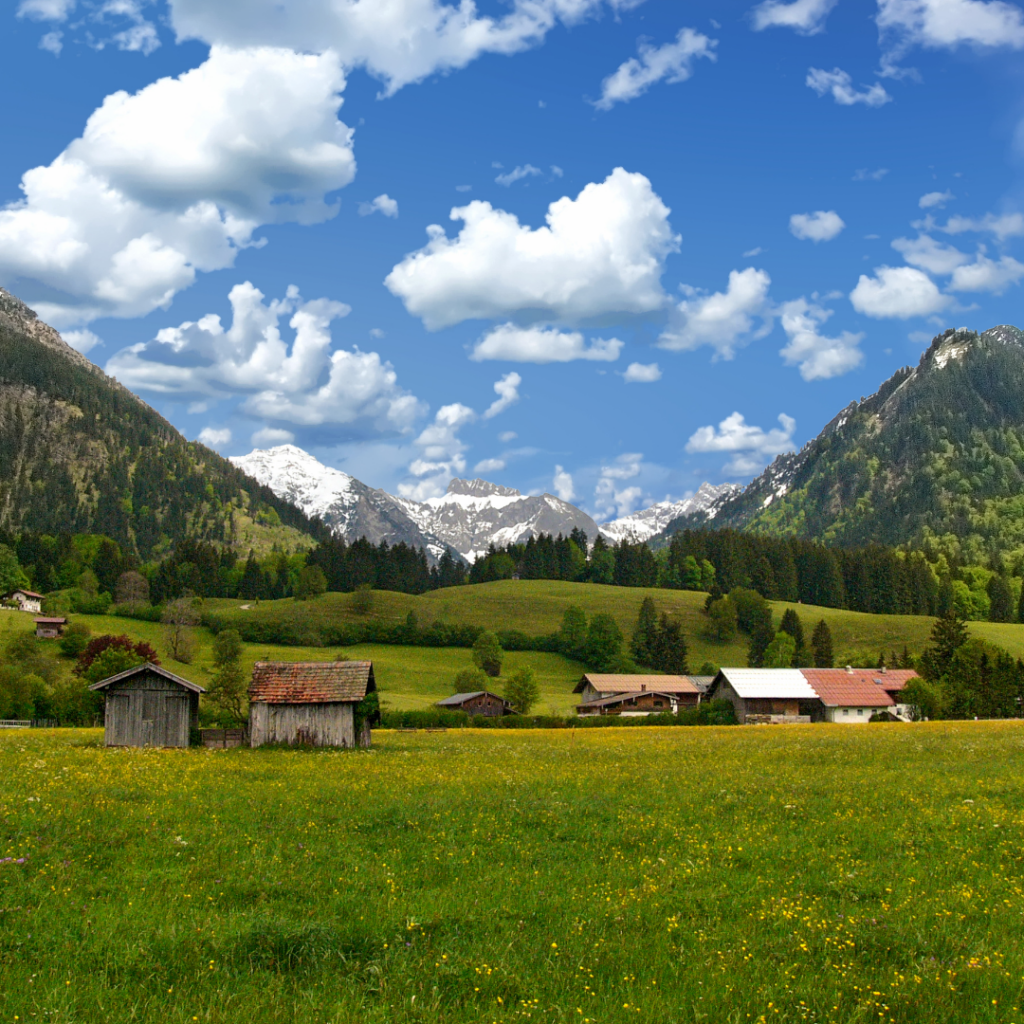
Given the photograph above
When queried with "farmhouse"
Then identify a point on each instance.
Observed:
(147, 706)
(479, 702)
(644, 702)
(852, 695)
(49, 628)
(309, 702)
(766, 695)
(24, 601)
(634, 695)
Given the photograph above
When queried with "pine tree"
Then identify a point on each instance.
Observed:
(670, 650)
(821, 645)
(1000, 599)
(644, 643)
(949, 634)
(762, 633)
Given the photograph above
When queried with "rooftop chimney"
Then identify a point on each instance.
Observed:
(849, 670)
(883, 670)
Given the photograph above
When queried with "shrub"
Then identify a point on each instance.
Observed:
(487, 653)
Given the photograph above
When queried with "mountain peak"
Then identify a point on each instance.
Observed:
(481, 489)
(19, 317)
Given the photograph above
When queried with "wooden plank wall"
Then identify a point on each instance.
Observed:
(148, 711)
(314, 725)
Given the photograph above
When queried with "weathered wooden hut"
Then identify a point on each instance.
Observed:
(309, 703)
(147, 706)
(479, 702)
(49, 627)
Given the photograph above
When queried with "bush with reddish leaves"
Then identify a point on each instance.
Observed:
(137, 649)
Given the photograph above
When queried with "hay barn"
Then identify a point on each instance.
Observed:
(147, 706)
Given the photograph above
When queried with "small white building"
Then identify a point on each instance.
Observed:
(24, 601)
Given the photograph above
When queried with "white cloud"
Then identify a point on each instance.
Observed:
(507, 390)
(489, 466)
(931, 199)
(175, 179)
(751, 253)
(928, 254)
(724, 320)
(543, 345)
(751, 446)
(383, 203)
(820, 226)
(463, 188)
(52, 42)
(599, 254)
(441, 453)
(672, 62)
(562, 484)
(612, 499)
(641, 373)
(399, 42)
(46, 10)
(81, 341)
(510, 178)
(804, 16)
(840, 85)
(507, 435)
(945, 24)
(1006, 225)
(305, 383)
(985, 275)
(270, 437)
(214, 438)
(819, 357)
(557, 171)
(899, 292)
(865, 175)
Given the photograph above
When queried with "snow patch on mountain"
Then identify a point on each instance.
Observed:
(649, 522)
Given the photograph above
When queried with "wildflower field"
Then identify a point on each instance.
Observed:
(797, 873)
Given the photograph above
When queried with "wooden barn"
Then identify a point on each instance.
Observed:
(309, 703)
(766, 695)
(50, 627)
(639, 702)
(594, 686)
(479, 702)
(147, 706)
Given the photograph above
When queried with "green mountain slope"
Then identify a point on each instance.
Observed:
(934, 459)
(79, 453)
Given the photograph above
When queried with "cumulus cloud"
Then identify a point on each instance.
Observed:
(818, 356)
(1002, 226)
(441, 453)
(518, 173)
(986, 275)
(543, 345)
(52, 42)
(840, 85)
(507, 390)
(213, 437)
(304, 383)
(724, 320)
(270, 437)
(611, 497)
(946, 24)
(933, 199)
(899, 292)
(751, 446)
(642, 373)
(399, 42)
(931, 255)
(806, 17)
(820, 226)
(562, 484)
(81, 341)
(600, 253)
(865, 175)
(672, 63)
(489, 466)
(175, 179)
(382, 204)
(46, 10)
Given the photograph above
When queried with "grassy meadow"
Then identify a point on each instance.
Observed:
(787, 874)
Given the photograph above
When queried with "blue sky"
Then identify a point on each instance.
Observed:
(686, 235)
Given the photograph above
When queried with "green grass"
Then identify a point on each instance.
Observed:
(791, 874)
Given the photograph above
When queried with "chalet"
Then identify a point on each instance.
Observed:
(642, 702)
(852, 695)
(479, 702)
(309, 703)
(147, 706)
(594, 686)
(24, 601)
(50, 628)
(766, 695)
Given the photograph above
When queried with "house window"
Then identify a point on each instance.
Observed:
(846, 711)
(659, 703)
(860, 711)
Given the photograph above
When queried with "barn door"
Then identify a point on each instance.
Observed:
(151, 719)
(115, 720)
(176, 720)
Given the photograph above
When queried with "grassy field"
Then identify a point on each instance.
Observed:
(787, 874)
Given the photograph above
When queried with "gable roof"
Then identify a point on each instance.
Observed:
(621, 698)
(461, 698)
(635, 683)
(864, 687)
(147, 666)
(767, 683)
(311, 682)
(27, 593)
(50, 620)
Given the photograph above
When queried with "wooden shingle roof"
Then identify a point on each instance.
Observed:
(311, 682)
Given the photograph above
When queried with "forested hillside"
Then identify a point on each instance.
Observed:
(81, 454)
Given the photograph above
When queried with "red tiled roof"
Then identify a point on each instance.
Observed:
(863, 687)
(311, 682)
(29, 593)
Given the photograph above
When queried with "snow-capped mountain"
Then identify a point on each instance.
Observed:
(649, 522)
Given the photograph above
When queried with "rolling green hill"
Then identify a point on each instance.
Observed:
(79, 453)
